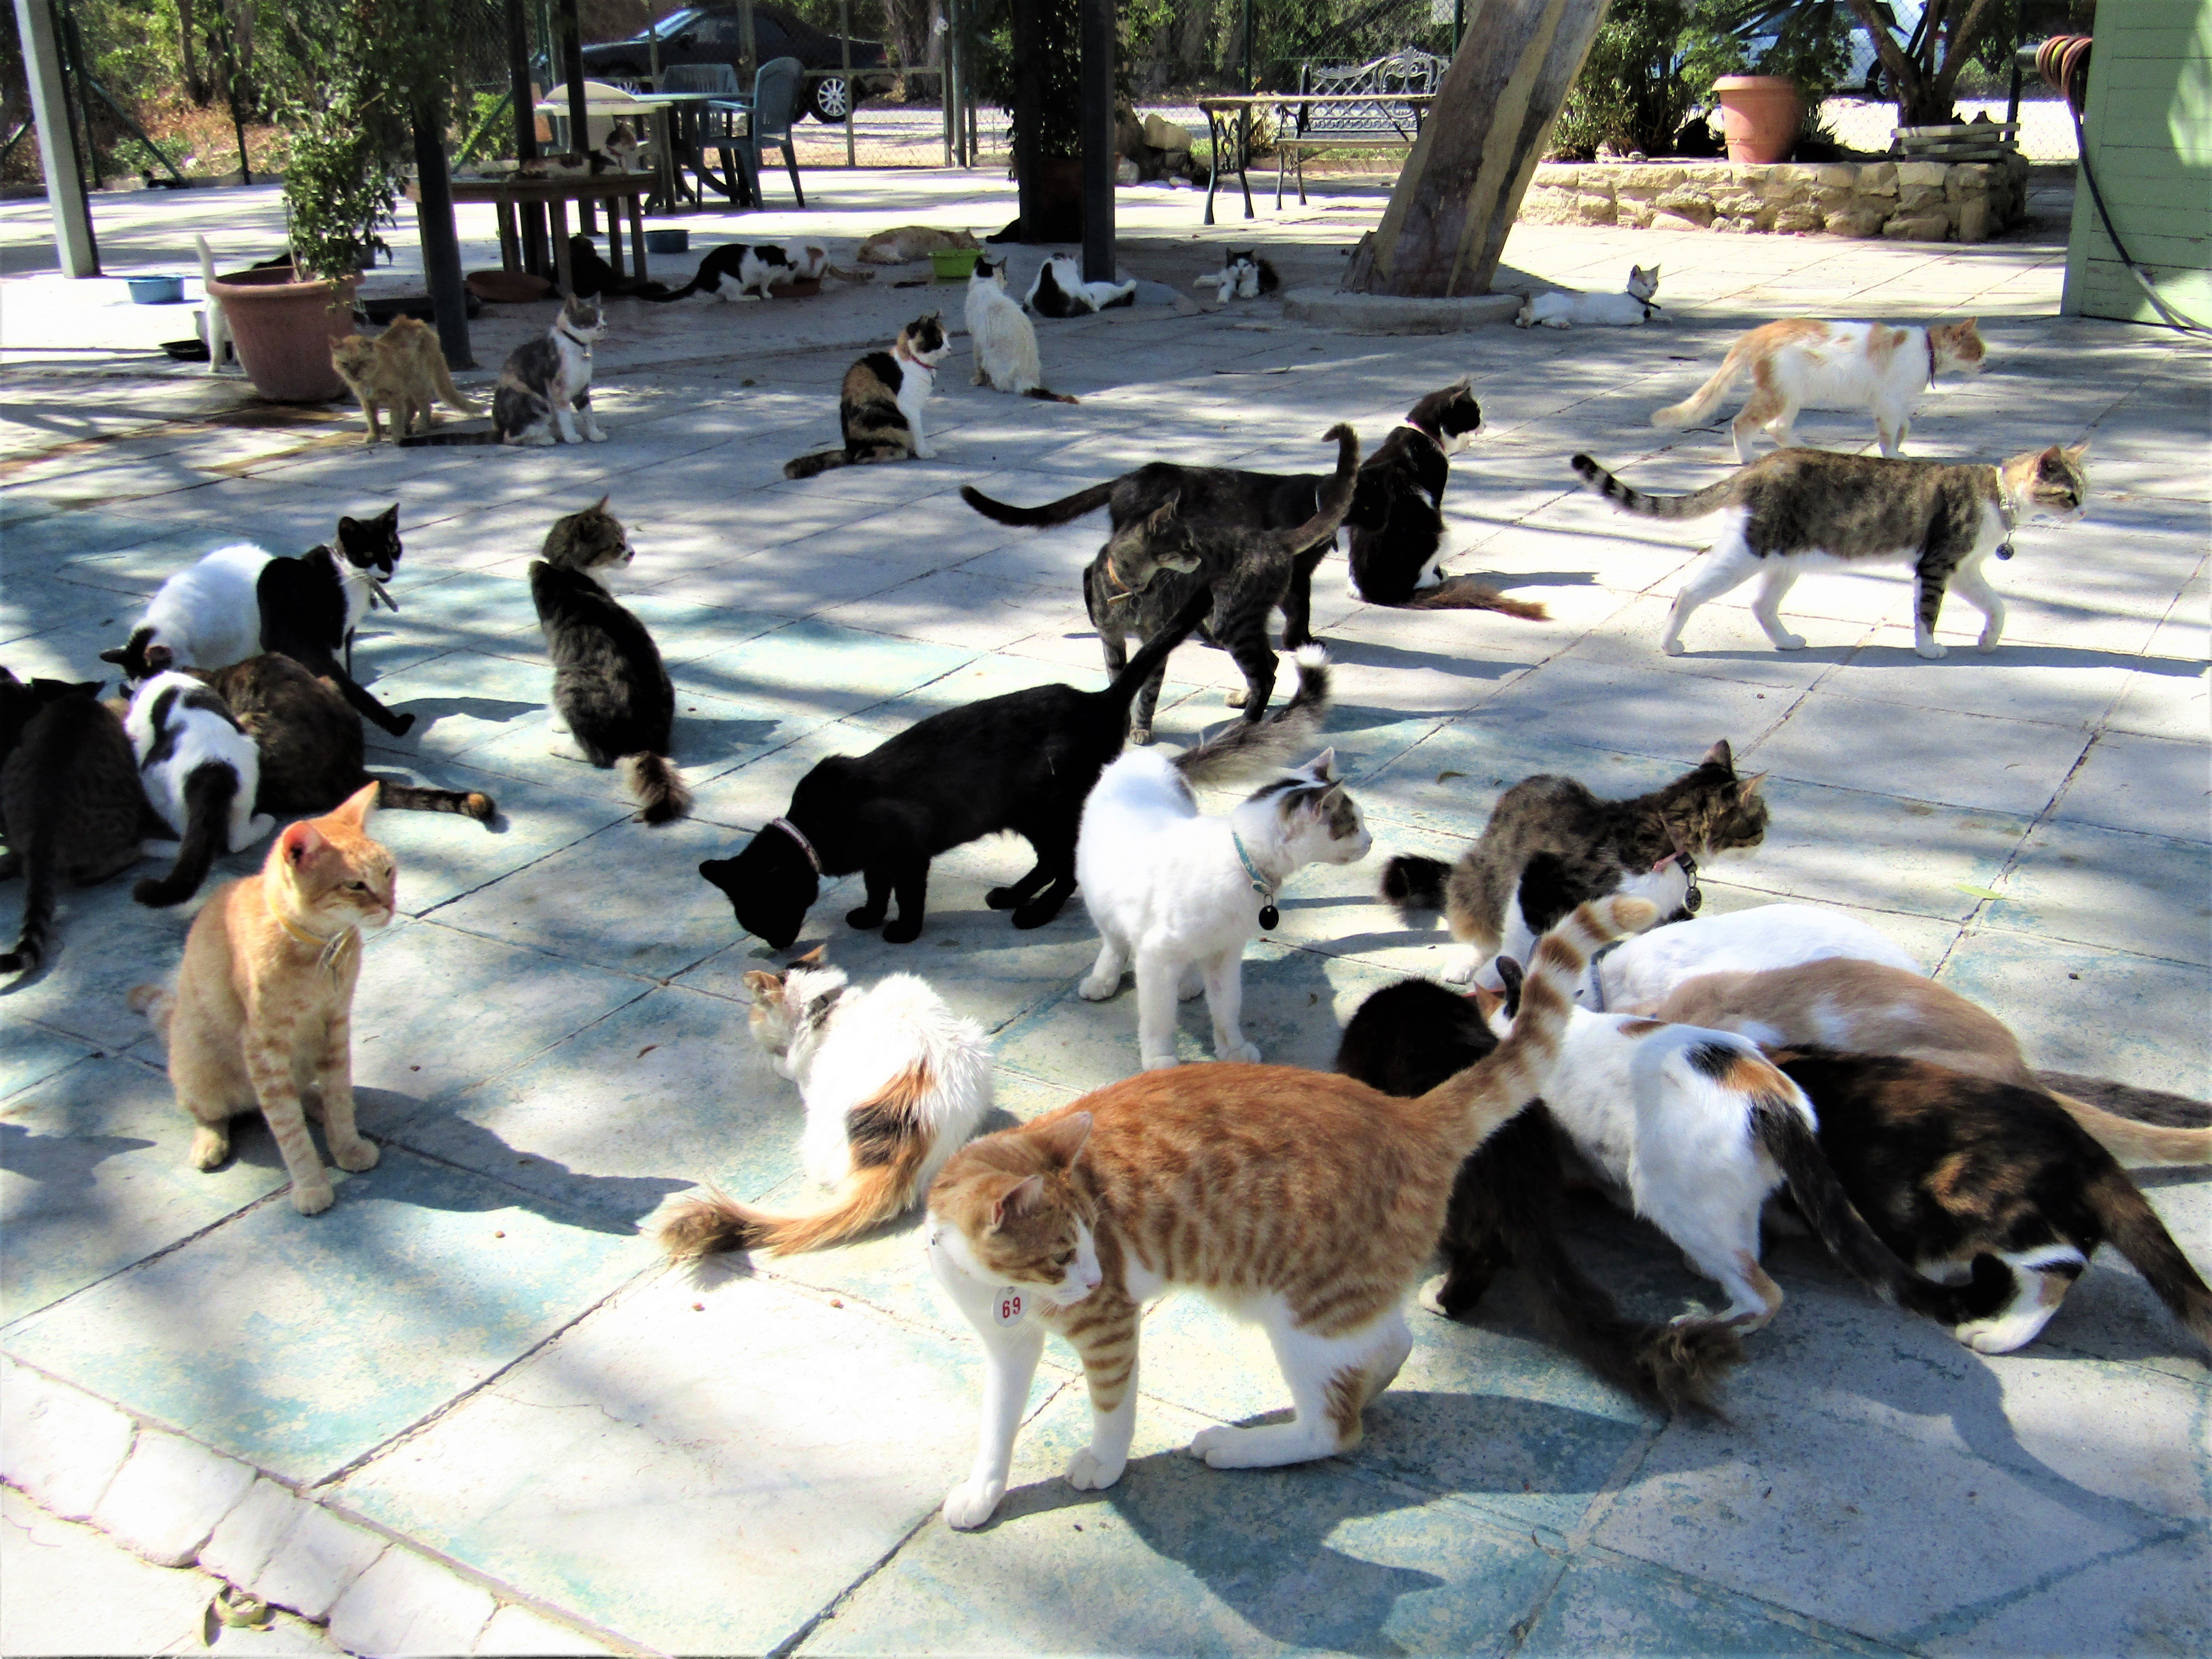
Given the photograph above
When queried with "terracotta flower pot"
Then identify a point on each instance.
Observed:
(1760, 115)
(283, 328)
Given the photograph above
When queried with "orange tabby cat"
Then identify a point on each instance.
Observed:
(262, 1008)
(1303, 1201)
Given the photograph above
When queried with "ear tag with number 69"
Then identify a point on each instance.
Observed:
(1009, 1306)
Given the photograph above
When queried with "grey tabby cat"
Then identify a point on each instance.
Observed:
(545, 392)
(1799, 508)
(879, 406)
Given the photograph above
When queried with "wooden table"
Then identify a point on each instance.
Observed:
(507, 194)
(1221, 113)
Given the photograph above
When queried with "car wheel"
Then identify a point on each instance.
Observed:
(831, 98)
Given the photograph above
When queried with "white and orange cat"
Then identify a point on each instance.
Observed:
(1804, 363)
(261, 1014)
(1305, 1202)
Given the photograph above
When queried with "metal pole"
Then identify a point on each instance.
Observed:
(1097, 78)
(81, 105)
(1028, 110)
(1459, 24)
(75, 250)
(441, 244)
(579, 124)
(845, 51)
(945, 91)
(532, 224)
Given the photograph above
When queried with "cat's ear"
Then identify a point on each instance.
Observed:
(764, 985)
(2074, 453)
(1749, 787)
(158, 658)
(390, 515)
(1161, 517)
(118, 656)
(1487, 1002)
(1018, 1200)
(600, 505)
(300, 842)
(1720, 755)
(1063, 1139)
(356, 807)
(1324, 766)
(1509, 970)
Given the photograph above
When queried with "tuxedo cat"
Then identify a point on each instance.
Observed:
(201, 772)
(1059, 290)
(311, 605)
(747, 271)
(1245, 275)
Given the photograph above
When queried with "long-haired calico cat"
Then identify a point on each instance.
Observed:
(1021, 763)
(1408, 1038)
(1058, 290)
(1872, 1008)
(1308, 1201)
(1004, 339)
(201, 772)
(311, 605)
(401, 371)
(1177, 895)
(310, 744)
(1550, 844)
(544, 390)
(69, 801)
(894, 1083)
(612, 701)
(1150, 569)
(261, 1014)
(880, 405)
(1802, 362)
(1802, 509)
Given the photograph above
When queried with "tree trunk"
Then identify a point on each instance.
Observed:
(188, 31)
(1454, 203)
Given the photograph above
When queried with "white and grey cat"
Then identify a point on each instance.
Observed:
(200, 771)
(1245, 275)
(544, 392)
(1629, 309)
(1059, 290)
(1638, 974)
(894, 1083)
(1178, 895)
(1003, 337)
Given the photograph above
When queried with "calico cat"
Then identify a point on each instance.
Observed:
(1628, 309)
(1307, 1202)
(206, 616)
(894, 1082)
(1176, 894)
(1800, 363)
(69, 801)
(1245, 275)
(1005, 340)
(310, 744)
(262, 1009)
(201, 772)
(1409, 1037)
(1871, 1008)
(402, 370)
(313, 605)
(1698, 1129)
(545, 391)
(747, 271)
(1150, 569)
(1550, 844)
(1801, 509)
(1020, 763)
(880, 405)
(1058, 290)
(910, 242)
(612, 703)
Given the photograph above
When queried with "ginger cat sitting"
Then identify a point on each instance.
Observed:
(261, 1011)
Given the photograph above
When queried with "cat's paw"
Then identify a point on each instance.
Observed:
(922, 454)
(1994, 1335)
(1097, 987)
(312, 1201)
(1433, 1297)
(1088, 1472)
(595, 435)
(1929, 649)
(1240, 1053)
(1002, 898)
(866, 917)
(1237, 698)
(970, 1504)
(1139, 736)
(1462, 971)
(401, 724)
(904, 931)
(1789, 642)
(1160, 1062)
(1040, 909)
(1672, 648)
(362, 1155)
(1987, 643)
(210, 1147)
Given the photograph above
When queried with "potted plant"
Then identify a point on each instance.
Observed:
(356, 75)
(1769, 61)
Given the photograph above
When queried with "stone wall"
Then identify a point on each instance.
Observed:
(1904, 201)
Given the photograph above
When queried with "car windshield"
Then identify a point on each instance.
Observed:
(675, 23)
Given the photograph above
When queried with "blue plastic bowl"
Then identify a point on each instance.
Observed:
(155, 290)
(668, 241)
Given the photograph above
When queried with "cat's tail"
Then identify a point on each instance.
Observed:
(1628, 499)
(2133, 1229)
(666, 295)
(1412, 883)
(38, 904)
(808, 466)
(1465, 593)
(1693, 410)
(1156, 650)
(1334, 500)
(436, 440)
(1782, 1120)
(208, 792)
(158, 1003)
(1045, 394)
(1243, 746)
(401, 797)
(1476, 1101)
(443, 378)
(662, 794)
(1066, 510)
(2134, 1143)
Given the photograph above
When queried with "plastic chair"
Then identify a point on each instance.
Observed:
(711, 127)
(775, 105)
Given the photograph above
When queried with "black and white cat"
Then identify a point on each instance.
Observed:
(1059, 290)
(747, 271)
(311, 605)
(201, 772)
(1245, 275)
(206, 616)
(545, 391)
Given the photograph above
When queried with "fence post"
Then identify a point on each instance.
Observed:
(944, 89)
(845, 48)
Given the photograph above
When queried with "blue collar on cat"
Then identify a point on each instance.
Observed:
(805, 845)
(1269, 916)
(1597, 979)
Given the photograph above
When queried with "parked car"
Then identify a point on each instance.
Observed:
(714, 34)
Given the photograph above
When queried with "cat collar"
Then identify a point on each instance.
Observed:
(1269, 916)
(333, 948)
(580, 344)
(805, 845)
(377, 595)
(2004, 511)
(1597, 979)
(1409, 427)
(1693, 896)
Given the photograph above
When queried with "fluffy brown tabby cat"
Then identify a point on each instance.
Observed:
(1800, 509)
(1305, 1200)
(262, 1011)
(310, 744)
(880, 405)
(402, 370)
(1550, 844)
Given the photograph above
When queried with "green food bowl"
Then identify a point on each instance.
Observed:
(954, 264)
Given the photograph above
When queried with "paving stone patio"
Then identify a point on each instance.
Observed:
(525, 1434)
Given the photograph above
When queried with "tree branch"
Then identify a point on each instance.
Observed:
(1978, 16)
(1902, 69)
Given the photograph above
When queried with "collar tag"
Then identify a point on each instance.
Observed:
(2004, 548)
(1009, 1306)
(1269, 916)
